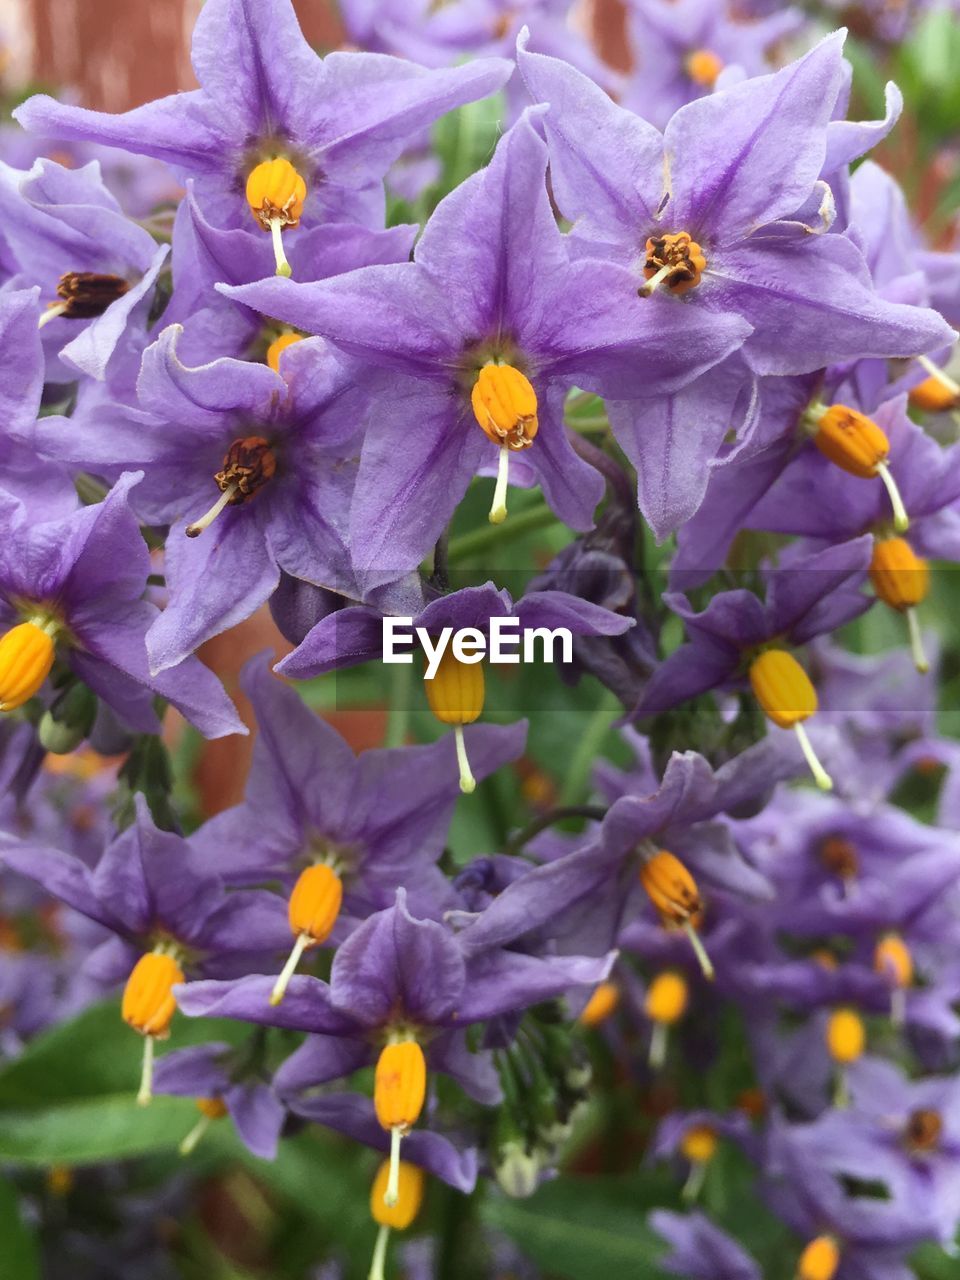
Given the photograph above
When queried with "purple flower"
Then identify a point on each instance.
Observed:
(701, 1251)
(491, 295)
(342, 120)
(96, 269)
(80, 579)
(721, 234)
(252, 466)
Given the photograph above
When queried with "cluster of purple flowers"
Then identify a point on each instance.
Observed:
(668, 304)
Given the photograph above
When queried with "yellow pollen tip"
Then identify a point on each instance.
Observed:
(278, 346)
(851, 440)
(674, 261)
(819, 1260)
(315, 902)
(400, 1085)
(699, 1144)
(505, 406)
(846, 1036)
(26, 657)
(900, 577)
(933, 396)
(893, 960)
(667, 997)
(601, 1005)
(410, 1184)
(212, 1108)
(148, 1000)
(703, 67)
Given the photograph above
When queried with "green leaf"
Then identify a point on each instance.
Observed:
(582, 1228)
(18, 1248)
(95, 1055)
(93, 1129)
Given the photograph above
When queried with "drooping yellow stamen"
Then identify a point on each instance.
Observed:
(505, 407)
(901, 580)
(673, 891)
(674, 261)
(313, 910)
(787, 697)
(601, 1005)
(456, 695)
(819, 1260)
(399, 1090)
(275, 194)
(857, 445)
(149, 1005)
(278, 346)
(938, 392)
(247, 466)
(698, 1145)
(210, 1109)
(703, 67)
(26, 657)
(665, 1004)
(846, 1039)
(893, 960)
(397, 1216)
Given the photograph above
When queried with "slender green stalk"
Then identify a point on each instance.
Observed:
(494, 535)
(398, 713)
(576, 783)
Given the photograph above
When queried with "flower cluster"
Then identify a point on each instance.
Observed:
(672, 327)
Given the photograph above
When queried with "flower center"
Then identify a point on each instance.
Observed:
(456, 695)
(673, 891)
(840, 857)
(149, 1005)
(601, 1005)
(901, 580)
(846, 1036)
(26, 658)
(275, 194)
(313, 910)
(248, 465)
(84, 295)
(703, 67)
(923, 1130)
(505, 407)
(674, 261)
(399, 1090)
(857, 445)
(787, 697)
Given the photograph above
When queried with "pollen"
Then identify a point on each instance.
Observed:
(505, 407)
(275, 194)
(699, 1144)
(674, 261)
(456, 695)
(399, 1090)
(148, 1000)
(248, 465)
(787, 697)
(278, 346)
(84, 295)
(846, 1036)
(313, 910)
(901, 580)
(703, 67)
(26, 657)
(857, 445)
(819, 1260)
(673, 891)
(601, 1005)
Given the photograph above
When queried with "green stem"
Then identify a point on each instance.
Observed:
(576, 783)
(471, 544)
(527, 833)
(398, 714)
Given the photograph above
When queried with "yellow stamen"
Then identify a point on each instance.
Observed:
(210, 1109)
(787, 697)
(846, 1036)
(857, 445)
(278, 346)
(674, 261)
(819, 1260)
(505, 407)
(194, 530)
(601, 1005)
(498, 508)
(699, 1146)
(901, 580)
(703, 67)
(399, 1090)
(456, 695)
(893, 960)
(275, 194)
(673, 891)
(313, 910)
(149, 1005)
(938, 392)
(248, 465)
(26, 657)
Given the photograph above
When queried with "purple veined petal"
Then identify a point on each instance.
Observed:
(396, 967)
(96, 581)
(606, 163)
(196, 1072)
(258, 1115)
(319, 1060)
(215, 581)
(474, 1072)
(811, 303)
(580, 617)
(507, 981)
(468, 607)
(131, 700)
(60, 874)
(693, 1239)
(800, 597)
(848, 140)
(570, 485)
(305, 1007)
(341, 639)
(354, 1115)
(674, 441)
(749, 155)
(306, 524)
(21, 379)
(248, 920)
(693, 669)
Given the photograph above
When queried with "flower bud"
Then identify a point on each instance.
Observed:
(278, 346)
(846, 1036)
(315, 902)
(26, 657)
(819, 1260)
(900, 577)
(410, 1185)
(667, 996)
(517, 1171)
(601, 1005)
(148, 1001)
(400, 1084)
